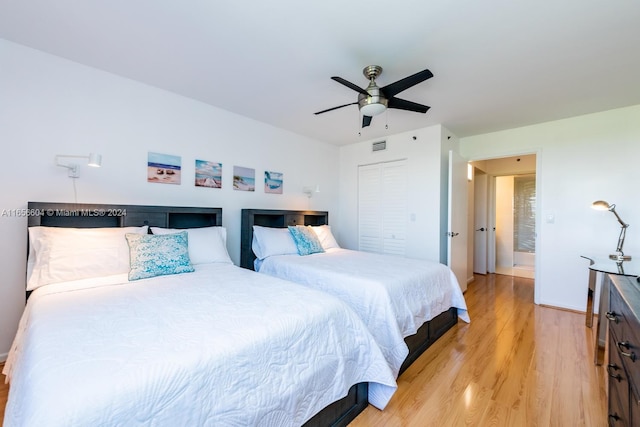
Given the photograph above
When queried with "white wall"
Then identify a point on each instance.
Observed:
(581, 159)
(423, 156)
(504, 223)
(51, 106)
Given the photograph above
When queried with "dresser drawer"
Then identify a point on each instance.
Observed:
(634, 406)
(617, 411)
(618, 388)
(624, 330)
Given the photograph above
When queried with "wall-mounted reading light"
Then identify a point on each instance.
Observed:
(310, 190)
(604, 206)
(469, 172)
(93, 159)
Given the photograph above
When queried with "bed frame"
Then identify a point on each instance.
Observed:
(426, 335)
(339, 413)
(97, 215)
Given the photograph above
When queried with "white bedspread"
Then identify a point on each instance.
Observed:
(222, 346)
(393, 295)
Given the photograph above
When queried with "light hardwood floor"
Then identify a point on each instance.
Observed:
(4, 391)
(515, 364)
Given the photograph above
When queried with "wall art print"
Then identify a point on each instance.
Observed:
(164, 168)
(244, 179)
(273, 182)
(208, 174)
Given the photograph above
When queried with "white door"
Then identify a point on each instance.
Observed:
(480, 224)
(457, 217)
(369, 209)
(382, 207)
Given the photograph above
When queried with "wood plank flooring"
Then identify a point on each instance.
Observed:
(515, 364)
(4, 391)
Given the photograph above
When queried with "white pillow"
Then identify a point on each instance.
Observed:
(206, 245)
(326, 237)
(58, 254)
(268, 241)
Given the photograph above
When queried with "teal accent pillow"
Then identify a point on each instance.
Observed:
(158, 255)
(306, 240)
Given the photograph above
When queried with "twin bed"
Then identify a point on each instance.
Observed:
(407, 304)
(104, 341)
(136, 315)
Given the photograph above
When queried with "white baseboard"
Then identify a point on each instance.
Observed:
(470, 279)
(3, 357)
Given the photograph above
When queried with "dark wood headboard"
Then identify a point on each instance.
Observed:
(276, 219)
(98, 215)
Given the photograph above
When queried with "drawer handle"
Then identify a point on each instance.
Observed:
(626, 345)
(612, 367)
(611, 315)
(614, 417)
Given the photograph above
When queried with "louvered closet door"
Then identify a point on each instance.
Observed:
(369, 213)
(382, 207)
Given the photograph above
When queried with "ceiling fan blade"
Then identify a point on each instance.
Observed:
(402, 104)
(350, 85)
(403, 84)
(335, 108)
(366, 121)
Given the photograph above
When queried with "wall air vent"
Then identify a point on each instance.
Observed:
(379, 146)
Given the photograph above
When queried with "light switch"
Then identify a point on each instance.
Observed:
(550, 217)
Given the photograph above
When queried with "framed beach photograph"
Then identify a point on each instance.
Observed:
(244, 179)
(208, 174)
(164, 168)
(273, 182)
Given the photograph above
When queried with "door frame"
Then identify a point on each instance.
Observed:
(480, 222)
(491, 214)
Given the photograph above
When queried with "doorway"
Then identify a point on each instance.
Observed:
(504, 216)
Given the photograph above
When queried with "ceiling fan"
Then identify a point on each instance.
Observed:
(375, 100)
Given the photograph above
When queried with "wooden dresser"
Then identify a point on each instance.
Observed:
(623, 364)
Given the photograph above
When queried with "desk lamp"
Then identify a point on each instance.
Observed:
(604, 206)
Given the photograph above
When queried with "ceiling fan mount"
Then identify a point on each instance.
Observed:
(375, 100)
(371, 72)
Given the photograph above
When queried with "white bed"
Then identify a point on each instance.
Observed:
(394, 296)
(217, 346)
(187, 350)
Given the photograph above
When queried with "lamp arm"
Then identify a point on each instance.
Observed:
(58, 156)
(623, 232)
(622, 223)
(72, 167)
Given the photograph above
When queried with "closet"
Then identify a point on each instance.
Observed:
(382, 207)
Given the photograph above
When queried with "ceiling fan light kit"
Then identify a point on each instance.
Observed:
(371, 106)
(374, 100)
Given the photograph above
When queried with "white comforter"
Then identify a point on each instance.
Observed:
(393, 295)
(221, 346)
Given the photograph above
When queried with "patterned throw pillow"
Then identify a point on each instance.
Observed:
(158, 255)
(306, 240)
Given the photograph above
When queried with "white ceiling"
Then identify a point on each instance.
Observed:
(497, 64)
